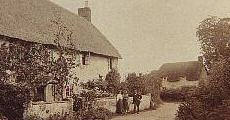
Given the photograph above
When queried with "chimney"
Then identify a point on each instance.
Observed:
(85, 12)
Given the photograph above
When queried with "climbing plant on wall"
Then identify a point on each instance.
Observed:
(32, 65)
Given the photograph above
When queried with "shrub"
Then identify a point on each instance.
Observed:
(93, 114)
(33, 117)
(87, 111)
(13, 100)
(113, 80)
(208, 101)
(59, 117)
(2, 117)
(103, 113)
(136, 82)
(51, 117)
(203, 104)
(178, 95)
(191, 110)
(197, 110)
(153, 84)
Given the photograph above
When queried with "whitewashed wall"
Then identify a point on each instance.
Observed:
(98, 65)
(110, 103)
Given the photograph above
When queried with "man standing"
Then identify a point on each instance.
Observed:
(136, 101)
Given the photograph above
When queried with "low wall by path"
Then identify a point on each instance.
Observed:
(110, 103)
(45, 109)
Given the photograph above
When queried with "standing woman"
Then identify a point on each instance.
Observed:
(126, 101)
(119, 105)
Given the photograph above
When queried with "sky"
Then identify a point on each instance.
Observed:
(149, 33)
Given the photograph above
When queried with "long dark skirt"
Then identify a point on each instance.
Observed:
(119, 107)
(125, 105)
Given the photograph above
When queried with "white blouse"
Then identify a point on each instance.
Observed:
(119, 96)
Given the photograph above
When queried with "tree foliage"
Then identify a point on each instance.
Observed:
(135, 82)
(13, 100)
(153, 84)
(113, 80)
(146, 84)
(33, 62)
(208, 101)
(214, 36)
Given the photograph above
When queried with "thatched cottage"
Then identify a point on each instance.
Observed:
(30, 21)
(181, 74)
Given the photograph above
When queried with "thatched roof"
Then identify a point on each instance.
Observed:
(30, 20)
(181, 66)
(188, 69)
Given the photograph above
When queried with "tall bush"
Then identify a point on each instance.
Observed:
(135, 82)
(113, 81)
(153, 84)
(207, 103)
(14, 100)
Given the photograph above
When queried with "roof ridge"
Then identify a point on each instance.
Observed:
(39, 12)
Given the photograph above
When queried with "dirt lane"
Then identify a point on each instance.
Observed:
(166, 111)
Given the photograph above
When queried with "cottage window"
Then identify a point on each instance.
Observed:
(68, 94)
(68, 91)
(110, 63)
(39, 94)
(85, 58)
(53, 90)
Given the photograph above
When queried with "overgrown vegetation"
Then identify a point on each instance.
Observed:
(113, 81)
(24, 66)
(153, 84)
(13, 100)
(210, 101)
(146, 84)
(135, 82)
(176, 95)
(85, 110)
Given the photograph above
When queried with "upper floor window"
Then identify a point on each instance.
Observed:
(110, 63)
(85, 58)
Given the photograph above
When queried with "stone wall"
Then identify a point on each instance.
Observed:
(110, 103)
(45, 109)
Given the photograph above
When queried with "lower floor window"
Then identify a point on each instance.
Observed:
(39, 94)
(68, 91)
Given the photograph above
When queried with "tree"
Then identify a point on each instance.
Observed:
(153, 84)
(214, 35)
(135, 82)
(113, 80)
(207, 101)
